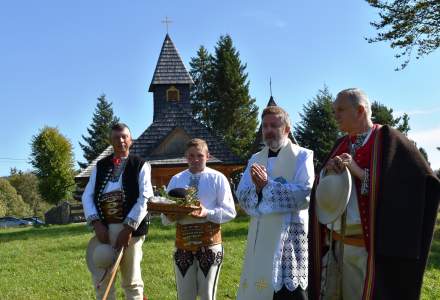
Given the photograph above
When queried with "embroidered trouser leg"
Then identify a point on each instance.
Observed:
(130, 267)
(353, 273)
(197, 273)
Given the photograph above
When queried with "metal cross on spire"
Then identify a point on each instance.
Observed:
(270, 85)
(167, 22)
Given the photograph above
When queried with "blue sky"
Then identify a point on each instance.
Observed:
(57, 57)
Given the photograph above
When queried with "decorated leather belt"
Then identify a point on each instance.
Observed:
(352, 240)
(111, 207)
(192, 237)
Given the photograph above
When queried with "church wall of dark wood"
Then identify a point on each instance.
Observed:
(161, 102)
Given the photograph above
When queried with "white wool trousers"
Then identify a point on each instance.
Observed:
(353, 273)
(130, 268)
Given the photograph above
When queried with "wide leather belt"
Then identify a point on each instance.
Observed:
(191, 237)
(352, 240)
(111, 207)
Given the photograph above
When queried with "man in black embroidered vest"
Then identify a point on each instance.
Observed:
(115, 205)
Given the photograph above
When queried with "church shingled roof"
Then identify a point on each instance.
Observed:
(152, 137)
(175, 117)
(169, 68)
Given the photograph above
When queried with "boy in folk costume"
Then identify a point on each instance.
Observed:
(274, 191)
(199, 251)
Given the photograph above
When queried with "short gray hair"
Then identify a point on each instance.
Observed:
(118, 127)
(278, 111)
(357, 97)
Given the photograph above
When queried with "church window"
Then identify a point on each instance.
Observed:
(173, 94)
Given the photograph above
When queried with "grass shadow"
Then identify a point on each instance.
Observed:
(235, 233)
(241, 219)
(153, 237)
(157, 231)
(43, 232)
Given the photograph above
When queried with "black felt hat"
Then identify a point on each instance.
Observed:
(178, 192)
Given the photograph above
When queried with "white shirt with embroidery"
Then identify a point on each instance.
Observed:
(290, 264)
(139, 209)
(214, 193)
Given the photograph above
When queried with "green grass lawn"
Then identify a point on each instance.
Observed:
(49, 263)
(431, 281)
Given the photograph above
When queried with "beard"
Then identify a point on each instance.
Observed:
(274, 143)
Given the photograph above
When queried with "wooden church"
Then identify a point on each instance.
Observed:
(163, 143)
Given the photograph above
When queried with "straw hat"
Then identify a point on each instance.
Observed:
(332, 195)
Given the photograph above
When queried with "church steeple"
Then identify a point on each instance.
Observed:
(171, 81)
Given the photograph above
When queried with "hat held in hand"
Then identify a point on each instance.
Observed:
(104, 256)
(99, 256)
(332, 195)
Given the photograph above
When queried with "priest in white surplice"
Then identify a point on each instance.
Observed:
(275, 192)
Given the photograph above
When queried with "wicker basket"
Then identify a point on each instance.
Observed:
(171, 208)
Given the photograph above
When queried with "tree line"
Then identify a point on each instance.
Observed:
(221, 100)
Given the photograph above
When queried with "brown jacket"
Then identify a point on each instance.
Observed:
(407, 200)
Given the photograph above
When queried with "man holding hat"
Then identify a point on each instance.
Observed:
(373, 211)
(115, 204)
(274, 191)
(199, 251)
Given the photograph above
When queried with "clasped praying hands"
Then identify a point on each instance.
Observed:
(259, 176)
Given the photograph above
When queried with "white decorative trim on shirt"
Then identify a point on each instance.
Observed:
(131, 222)
(92, 218)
